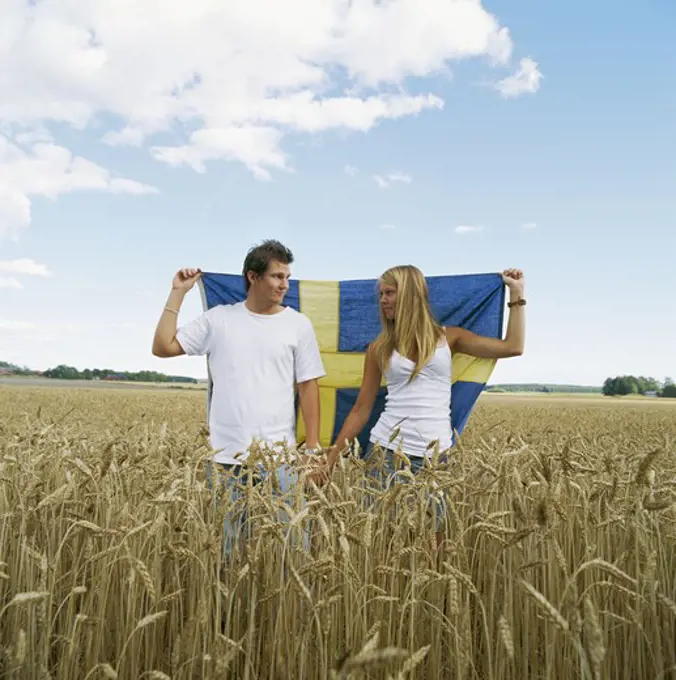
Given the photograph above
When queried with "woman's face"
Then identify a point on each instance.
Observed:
(388, 299)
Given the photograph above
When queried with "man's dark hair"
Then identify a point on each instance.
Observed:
(259, 257)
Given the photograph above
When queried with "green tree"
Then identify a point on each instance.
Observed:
(652, 385)
(629, 384)
(634, 385)
(623, 386)
(63, 372)
(669, 389)
(608, 388)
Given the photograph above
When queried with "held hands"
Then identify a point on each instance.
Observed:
(514, 280)
(315, 465)
(318, 466)
(319, 474)
(185, 279)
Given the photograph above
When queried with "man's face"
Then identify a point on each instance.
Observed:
(273, 285)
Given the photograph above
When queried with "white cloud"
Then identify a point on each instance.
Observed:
(526, 79)
(168, 66)
(256, 147)
(385, 42)
(219, 80)
(24, 266)
(14, 326)
(303, 111)
(350, 170)
(33, 136)
(10, 282)
(388, 227)
(385, 181)
(48, 170)
(43, 330)
(119, 185)
(15, 210)
(529, 226)
(467, 229)
(128, 136)
(400, 177)
(220, 63)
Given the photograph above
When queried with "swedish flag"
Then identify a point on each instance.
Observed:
(345, 319)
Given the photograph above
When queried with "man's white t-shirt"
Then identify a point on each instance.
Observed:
(254, 361)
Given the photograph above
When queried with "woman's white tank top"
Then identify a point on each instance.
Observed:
(420, 409)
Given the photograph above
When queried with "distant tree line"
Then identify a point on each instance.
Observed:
(63, 372)
(13, 369)
(543, 387)
(623, 385)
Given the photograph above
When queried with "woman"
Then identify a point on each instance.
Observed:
(413, 353)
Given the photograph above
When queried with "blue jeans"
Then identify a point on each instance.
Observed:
(385, 474)
(233, 478)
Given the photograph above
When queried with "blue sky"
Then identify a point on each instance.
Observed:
(567, 172)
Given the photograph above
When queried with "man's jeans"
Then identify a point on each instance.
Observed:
(233, 478)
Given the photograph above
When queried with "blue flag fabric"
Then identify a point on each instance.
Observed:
(345, 318)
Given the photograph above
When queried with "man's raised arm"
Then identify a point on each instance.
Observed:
(165, 343)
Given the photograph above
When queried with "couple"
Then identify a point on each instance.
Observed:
(260, 352)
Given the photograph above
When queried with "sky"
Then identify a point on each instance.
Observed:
(456, 135)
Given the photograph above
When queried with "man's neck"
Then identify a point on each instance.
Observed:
(261, 307)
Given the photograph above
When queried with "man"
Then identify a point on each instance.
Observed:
(258, 352)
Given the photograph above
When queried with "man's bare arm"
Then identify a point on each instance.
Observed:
(308, 399)
(165, 343)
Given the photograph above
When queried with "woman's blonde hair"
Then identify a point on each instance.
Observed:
(414, 332)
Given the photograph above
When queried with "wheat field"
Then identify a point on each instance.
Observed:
(558, 561)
